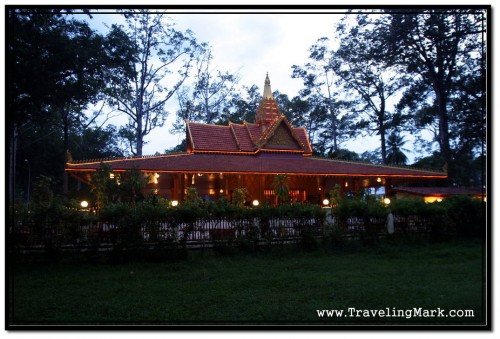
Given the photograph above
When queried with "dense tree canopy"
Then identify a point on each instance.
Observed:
(57, 67)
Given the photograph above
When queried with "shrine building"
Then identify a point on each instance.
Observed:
(219, 159)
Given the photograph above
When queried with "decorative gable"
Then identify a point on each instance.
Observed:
(282, 138)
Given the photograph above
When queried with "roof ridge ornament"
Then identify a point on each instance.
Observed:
(268, 93)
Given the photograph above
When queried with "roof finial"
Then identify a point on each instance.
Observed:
(268, 94)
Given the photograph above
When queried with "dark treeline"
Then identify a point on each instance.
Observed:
(386, 74)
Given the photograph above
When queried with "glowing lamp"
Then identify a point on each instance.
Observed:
(379, 179)
(84, 204)
(255, 203)
(326, 202)
(174, 203)
(387, 201)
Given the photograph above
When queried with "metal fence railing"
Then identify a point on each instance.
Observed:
(201, 232)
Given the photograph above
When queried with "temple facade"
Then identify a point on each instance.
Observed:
(219, 159)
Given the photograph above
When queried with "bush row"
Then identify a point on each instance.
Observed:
(460, 215)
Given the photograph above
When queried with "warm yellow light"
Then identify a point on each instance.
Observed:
(346, 184)
(111, 175)
(379, 179)
(84, 204)
(174, 203)
(255, 202)
(430, 199)
(221, 191)
(387, 201)
(326, 202)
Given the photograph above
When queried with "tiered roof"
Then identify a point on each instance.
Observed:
(271, 132)
(247, 138)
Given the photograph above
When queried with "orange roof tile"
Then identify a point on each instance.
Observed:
(264, 163)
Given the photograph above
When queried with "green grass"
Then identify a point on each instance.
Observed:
(277, 286)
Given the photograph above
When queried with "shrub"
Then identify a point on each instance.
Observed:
(468, 215)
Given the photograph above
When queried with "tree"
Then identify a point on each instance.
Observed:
(368, 81)
(435, 46)
(395, 154)
(162, 60)
(318, 77)
(281, 188)
(209, 101)
(245, 107)
(57, 66)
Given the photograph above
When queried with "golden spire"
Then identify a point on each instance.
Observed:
(268, 94)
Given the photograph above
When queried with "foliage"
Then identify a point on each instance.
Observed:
(208, 99)
(161, 57)
(468, 216)
(239, 196)
(369, 82)
(360, 208)
(192, 196)
(109, 187)
(58, 67)
(329, 114)
(442, 49)
(281, 188)
(43, 195)
(395, 154)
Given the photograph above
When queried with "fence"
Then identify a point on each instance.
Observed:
(204, 232)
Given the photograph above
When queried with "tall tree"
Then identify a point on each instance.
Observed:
(434, 46)
(57, 66)
(208, 99)
(369, 83)
(245, 103)
(162, 59)
(318, 77)
(395, 152)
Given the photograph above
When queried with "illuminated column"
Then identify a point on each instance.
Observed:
(388, 186)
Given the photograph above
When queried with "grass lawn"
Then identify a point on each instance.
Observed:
(281, 286)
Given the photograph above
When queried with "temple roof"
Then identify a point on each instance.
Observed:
(264, 163)
(247, 138)
(271, 132)
(268, 110)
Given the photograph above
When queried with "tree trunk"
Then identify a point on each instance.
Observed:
(334, 129)
(139, 138)
(444, 138)
(66, 149)
(12, 162)
(383, 146)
